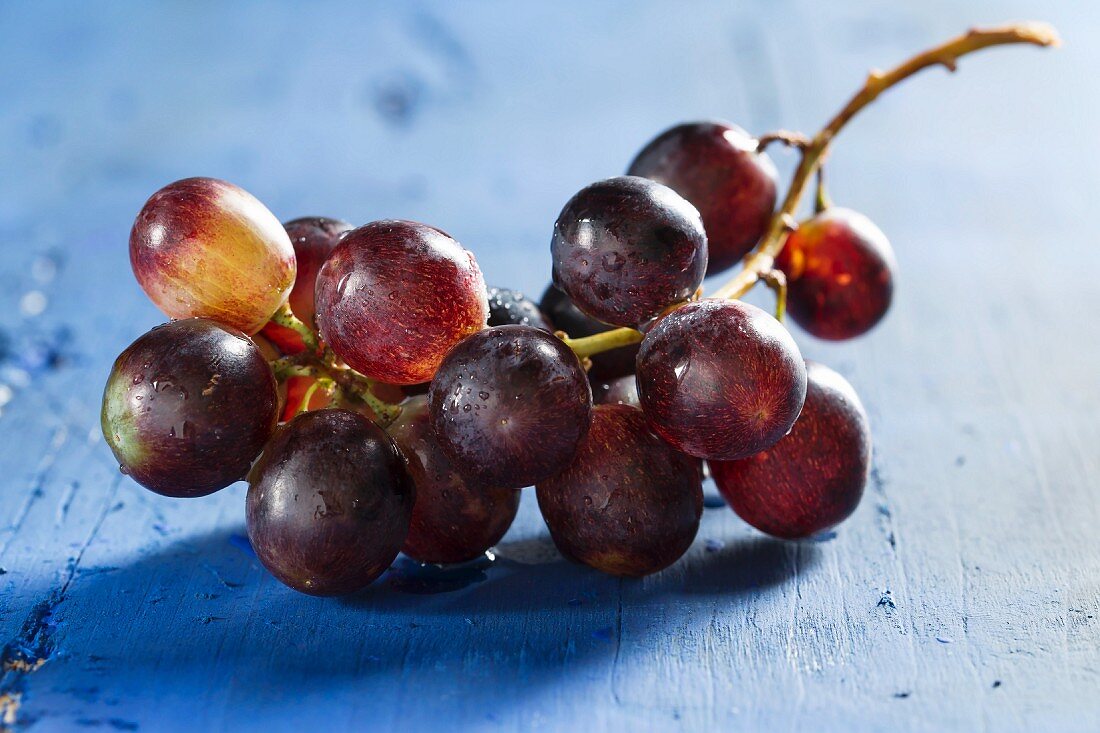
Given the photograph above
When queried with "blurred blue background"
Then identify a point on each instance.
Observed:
(963, 594)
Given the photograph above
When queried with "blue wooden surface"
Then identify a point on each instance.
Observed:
(965, 592)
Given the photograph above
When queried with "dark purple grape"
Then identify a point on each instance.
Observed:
(454, 519)
(313, 238)
(628, 504)
(395, 296)
(204, 247)
(720, 379)
(511, 307)
(509, 405)
(188, 407)
(329, 503)
(840, 274)
(715, 166)
(619, 391)
(627, 248)
(812, 479)
(567, 317)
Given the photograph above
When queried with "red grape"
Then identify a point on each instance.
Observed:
(395, 296)
(454, 519)
(566, 316)
(627, 248)
(313, 239)
(511, 307)
(509, 405)
(188, 406)
(628, 504)
(715, 166)
(812, 479)
(204, 247)
(720, 379)
(840, 274)
(329, 503)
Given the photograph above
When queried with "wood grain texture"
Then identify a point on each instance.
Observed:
(964, 593)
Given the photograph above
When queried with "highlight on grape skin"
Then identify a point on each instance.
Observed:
(188, 406)
(813, 478)
(720, 379)
(395, 296)
(204, 247)
(628, 248)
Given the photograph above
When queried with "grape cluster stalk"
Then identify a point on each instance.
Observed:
(380, 398)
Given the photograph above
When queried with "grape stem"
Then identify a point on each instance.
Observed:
(777, 282)
(286, 318)
(782, 223)
(346, 382)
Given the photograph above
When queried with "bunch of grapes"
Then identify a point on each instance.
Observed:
(379, 398)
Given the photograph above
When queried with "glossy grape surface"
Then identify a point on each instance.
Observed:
(329, 503)
(720, 379)
(454, 519)
(204, 247)
(395, 296)
(627, 248)
(509, 405)
(840, 274)
(564, 315)
(628, 503)
(313, 239)
(511, 307)
(812, 479)
(715, 166)
(188, 407)
(618, 391)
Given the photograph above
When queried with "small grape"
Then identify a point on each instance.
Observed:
(509, 405)
(395, 296)
(717, 168)
(511, 307)
(627, 248)
(812, 479)
(840, 274)
(204, 247)
(619, 391)
(329, 503)
(628, 503)
(720, 379)
(188, 406)
(454, 519)
(313, 239)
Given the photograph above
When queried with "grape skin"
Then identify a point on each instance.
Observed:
(454, 519)
(812, 479)
(628, 504)
(395, 296)
(627, 248)
(188, 407)
(509, 405)
(329, 503)
(720, 379)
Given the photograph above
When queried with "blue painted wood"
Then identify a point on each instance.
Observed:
(964, 594)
